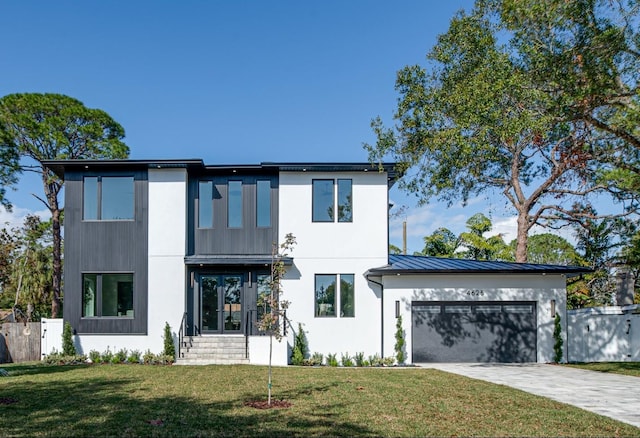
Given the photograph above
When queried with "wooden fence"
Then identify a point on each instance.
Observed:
(19, 342)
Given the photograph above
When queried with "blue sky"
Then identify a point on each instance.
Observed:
(233, 82)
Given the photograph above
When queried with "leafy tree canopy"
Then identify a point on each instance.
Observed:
(489, 114)
(50, 127)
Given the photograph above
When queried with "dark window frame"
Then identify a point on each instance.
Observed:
(240, 204)
(338, 211)
(98, 309)
(314, 201)
(263, 200)
(99, 198)
(337, 304)
(210, 201)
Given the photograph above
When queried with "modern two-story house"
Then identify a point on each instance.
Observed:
(178, 241)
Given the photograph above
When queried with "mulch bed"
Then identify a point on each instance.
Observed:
(263, 404)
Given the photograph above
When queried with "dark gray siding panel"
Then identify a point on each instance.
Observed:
(105, 247)
(249, 239)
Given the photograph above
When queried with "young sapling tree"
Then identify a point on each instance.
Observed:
(273, 319)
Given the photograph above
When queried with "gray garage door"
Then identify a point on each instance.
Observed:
(496, 331)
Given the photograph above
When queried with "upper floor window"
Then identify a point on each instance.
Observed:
(345, 210)
(234, 204)
(325, 204)
(205, 204)
(263, 203)
(108, 198)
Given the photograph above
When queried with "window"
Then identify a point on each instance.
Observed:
(328, 287)
(107, 295)
(345, 210)
(346, 295)
(108, 198)
(263, 203)
(323, 195)
(263, 292)
(205, 204)
(324, 201)
(234, 204)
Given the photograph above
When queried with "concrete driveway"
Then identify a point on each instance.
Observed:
(608, 394)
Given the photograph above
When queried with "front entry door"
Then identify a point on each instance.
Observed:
(221, 303)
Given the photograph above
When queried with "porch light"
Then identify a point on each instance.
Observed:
(553, 308)
(397, 309)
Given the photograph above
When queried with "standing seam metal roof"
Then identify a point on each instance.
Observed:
(407, 264)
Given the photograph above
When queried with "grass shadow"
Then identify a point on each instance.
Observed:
(113, 404)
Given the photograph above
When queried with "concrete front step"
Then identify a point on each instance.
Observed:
(213, 350)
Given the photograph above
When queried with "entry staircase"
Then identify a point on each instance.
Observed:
(213, 350)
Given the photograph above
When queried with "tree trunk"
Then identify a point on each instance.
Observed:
(522, 237)
(51, 189)
(56, 285)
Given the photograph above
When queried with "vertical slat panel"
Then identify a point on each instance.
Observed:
(102, 247)
(233, 241)
(21, 342)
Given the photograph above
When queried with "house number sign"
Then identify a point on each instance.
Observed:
(475, 292)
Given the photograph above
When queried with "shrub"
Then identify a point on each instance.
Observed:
(94, 356)
(346, 360)
(120, 356)
(400, 342)
(316, 359)
(56, 358)
(148, 358)
(332, 361)
(375, 360)
(106, 356)
(134, 357)
(163, 359)
(557, 336)
(169, 346)
(300, 348)
(388, 361)
(359, 358)
(68, 348)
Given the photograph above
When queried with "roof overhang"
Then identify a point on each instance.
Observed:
(59, 167)
(234, 260)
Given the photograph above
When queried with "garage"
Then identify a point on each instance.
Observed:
(459, 331)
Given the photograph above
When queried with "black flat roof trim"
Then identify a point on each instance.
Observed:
(60, 166)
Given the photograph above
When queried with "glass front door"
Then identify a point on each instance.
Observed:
(221, 303)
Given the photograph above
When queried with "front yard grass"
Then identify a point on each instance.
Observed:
(626, 368)
(135, 400)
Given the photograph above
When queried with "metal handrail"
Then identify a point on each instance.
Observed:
(247, 331)
(287, 321)
(181, 333)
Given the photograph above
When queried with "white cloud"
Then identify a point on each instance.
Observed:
(508, 227)
(15, 218)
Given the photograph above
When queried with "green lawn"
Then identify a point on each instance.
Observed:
(626, 368)
(136, 400)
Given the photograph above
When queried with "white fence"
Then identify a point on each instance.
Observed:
(604, 334)
(51, 333)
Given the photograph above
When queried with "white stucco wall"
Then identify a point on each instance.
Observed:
(539, 288)
(167, 212)
(604, 334)
(335, 248)
(259, 351)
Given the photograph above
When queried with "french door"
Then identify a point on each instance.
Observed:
(221, 303)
